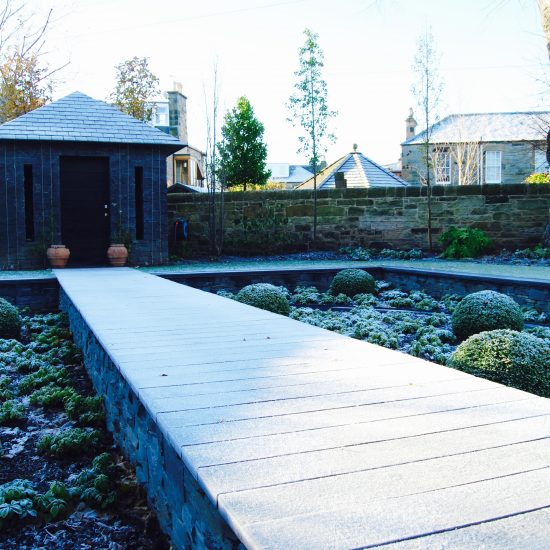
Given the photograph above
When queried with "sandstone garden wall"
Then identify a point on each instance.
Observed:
(514, 216)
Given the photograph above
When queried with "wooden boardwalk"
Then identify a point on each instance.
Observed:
(303, 438)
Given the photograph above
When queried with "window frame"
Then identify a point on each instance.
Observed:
(443, 165)
(496, 166)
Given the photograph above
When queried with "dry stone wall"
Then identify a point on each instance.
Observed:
(514, 216)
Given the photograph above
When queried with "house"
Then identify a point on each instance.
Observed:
(79, 172)
(478, 148)
(185, 166)
(354, 170)
(290, 175)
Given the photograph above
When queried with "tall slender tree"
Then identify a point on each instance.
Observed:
(215, 186)
(135, 87)
(308, 108)
(242, 153)
(427, 89)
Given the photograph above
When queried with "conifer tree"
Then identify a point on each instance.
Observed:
(242, 153)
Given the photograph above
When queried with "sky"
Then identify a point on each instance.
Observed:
(493, 58)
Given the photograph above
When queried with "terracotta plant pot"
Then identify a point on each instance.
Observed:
(117, 254)
(58, 255)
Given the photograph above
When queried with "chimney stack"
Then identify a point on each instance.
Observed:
(411, 125)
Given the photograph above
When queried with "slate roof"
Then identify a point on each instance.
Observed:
(486, 127)
(288, 173)
(80, 118)
(359, 171)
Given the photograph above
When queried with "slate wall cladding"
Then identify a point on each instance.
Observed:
(518, 161)
(184, 511)
(514, 216)
(18, 253)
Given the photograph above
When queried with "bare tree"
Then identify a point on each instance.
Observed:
(460, 157)
(215, 186)
(25, 81)
(427, 89)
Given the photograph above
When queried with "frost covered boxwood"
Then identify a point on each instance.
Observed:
(351, 282)
(509, 357)
(486, 310)
(265, 296)
(10, 321)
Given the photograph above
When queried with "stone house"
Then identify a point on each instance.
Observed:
(79, 172)
(477, 148)
(186, 166)
(289, 175)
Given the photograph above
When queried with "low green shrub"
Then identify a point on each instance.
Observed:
(93, 485)
(305, 295)
(54, 502)
(17, 500)
(352, 282)
(486, 310)
(69, 442)
(88, 411)
(11, 412)
(509, 357)
(44, 376)
(6, 390)
(265, 296)
(464, 242)
(51, 396)
(10, 320)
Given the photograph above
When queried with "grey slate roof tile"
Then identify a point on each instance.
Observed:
(359, 171)
(485, 127)
(80, 118)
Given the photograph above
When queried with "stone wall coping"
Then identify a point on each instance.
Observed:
(509, 189)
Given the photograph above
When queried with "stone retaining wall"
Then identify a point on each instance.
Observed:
(514, 216)
(183, 510)
(38, 295)
(530, 293)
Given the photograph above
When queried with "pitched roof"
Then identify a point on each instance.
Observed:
(78, 117)
(359, 171)
(484, 127)
(288, 173)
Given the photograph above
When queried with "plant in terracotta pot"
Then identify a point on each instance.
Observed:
(58, 255)
(121, 241)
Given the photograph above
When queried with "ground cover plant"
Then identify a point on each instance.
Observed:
(63, 483)
(419, 324)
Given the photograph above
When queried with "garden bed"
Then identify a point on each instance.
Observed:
(63, 483)
(412, 322)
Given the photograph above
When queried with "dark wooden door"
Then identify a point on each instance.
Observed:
(84, 208)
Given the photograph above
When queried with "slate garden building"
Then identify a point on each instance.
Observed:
(79, 172)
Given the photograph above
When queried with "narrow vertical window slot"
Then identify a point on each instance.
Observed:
(138, 179)
(29, 202)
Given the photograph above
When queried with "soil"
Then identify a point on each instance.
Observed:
(128, 524)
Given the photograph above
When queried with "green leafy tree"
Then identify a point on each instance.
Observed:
(135, 87)
(309, 109)
(24, 85)
(242, 153)
(427, 89)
